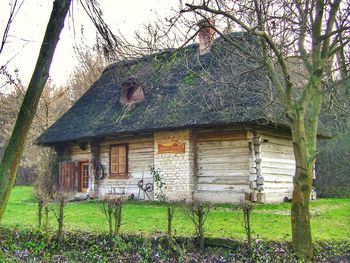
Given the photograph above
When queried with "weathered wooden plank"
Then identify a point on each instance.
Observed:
(278, 154)
(278, 185)
(138, 169)
(76, 149)
(219, 196)
(79, 151)
(214, 166)
(142, 158)
(224, 159)
(229, 180)
(144, 164)
(277, 197)
(274, 134)
(126, 140)
(149, 152)
(223, 173)
(220, 144)
(224, 150)
(279, 160)
(141, 151)
(223, 166)
(220, 154)
(277, 148)
(267, 165)
(222, 136)
(219, 187)
(278, 171)
(81, 157)
(278, 178)
(277, 141)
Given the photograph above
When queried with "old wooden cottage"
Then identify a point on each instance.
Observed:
(205, 116)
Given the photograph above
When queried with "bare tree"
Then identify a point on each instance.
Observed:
(315, 32)
(15, 146)
(15, 6)
(14, 149)
(91, 65)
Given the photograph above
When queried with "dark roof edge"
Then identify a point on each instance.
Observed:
(251, 124)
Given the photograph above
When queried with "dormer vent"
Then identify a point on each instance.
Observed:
(131, 92)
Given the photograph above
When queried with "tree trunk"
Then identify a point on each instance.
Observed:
(118, 219)
(170, 220)
(200, 228)
(110, 223)
(60, 219)
(302, 182)
(14, 149)
(46, 217)
(40, 212)
(247, 229)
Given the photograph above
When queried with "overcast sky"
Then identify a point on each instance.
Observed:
(29, 26)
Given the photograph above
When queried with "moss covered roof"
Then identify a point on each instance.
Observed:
(181, 89)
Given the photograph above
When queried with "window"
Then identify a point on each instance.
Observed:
(131, 92)
(119, 160)
(135, 93)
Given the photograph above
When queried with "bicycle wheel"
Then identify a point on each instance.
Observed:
(149, 187)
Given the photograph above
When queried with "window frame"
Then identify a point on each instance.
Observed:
(129, 87)
(119, 175)
(81, 188)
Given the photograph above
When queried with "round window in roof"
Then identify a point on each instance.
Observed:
(132, 91)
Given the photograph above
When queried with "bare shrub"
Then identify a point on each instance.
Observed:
(43, 199)
(158, 176)
(198, 213)
(44, 183)
(247, 208)
(60, 198)
(112, 207)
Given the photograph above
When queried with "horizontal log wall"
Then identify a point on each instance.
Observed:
(223, 166)
(79, 154)
(277, 166)
(140, 157)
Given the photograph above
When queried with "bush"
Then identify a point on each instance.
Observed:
(112, 207)
(198, 213)
(35, 246)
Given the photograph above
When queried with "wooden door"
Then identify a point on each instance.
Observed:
(66, 178)
(83, 176)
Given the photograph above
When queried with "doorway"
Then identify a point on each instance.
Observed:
(83, 176)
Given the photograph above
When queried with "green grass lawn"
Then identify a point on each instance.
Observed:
(330, 218)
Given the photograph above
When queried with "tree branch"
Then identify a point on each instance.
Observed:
(329, 28)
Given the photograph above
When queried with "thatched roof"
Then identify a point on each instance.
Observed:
(181, 89)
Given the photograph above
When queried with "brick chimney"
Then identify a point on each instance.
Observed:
(206, 36)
